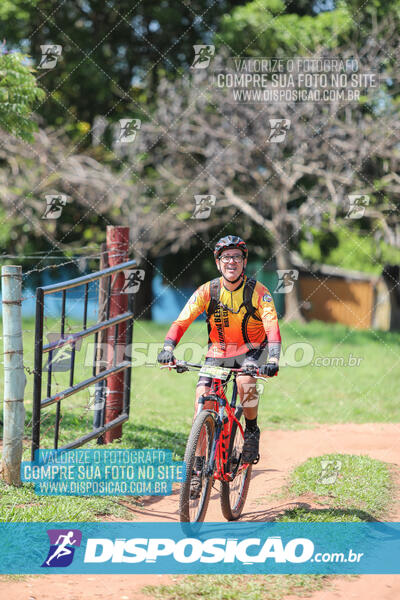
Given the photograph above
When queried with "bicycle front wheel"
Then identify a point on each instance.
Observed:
(233, 494)
(196, 489)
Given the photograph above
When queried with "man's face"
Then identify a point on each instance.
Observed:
(232, 268)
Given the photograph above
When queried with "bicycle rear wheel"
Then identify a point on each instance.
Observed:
(233, 494)
(193, 509)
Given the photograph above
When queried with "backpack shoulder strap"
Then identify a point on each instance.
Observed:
(215, 289)
(248, 295)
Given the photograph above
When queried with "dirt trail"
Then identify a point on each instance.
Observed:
(280, 452)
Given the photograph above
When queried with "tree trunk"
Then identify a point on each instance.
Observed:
(281, 240)
(292, 298)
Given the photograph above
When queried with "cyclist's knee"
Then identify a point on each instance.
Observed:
(200, 390)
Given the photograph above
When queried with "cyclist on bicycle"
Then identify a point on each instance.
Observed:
(242, 326)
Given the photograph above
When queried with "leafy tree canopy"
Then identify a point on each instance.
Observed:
(272, 28)
(18, 93)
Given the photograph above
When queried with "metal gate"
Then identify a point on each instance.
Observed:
(71, 339)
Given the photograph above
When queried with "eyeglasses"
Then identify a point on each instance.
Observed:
(235, 257)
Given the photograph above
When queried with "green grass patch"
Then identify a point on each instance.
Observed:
(352, 489)
(23, 505)
(237, 587)
(11, 578)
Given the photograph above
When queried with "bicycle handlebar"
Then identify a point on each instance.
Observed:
(182, 366)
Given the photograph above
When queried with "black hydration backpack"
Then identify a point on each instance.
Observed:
(249, 285)
(215, 289)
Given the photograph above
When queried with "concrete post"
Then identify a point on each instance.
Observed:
(14, 376)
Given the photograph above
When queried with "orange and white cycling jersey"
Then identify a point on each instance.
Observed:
(232, 330)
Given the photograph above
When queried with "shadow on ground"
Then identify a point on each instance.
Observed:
(145, 436)
(290, 512)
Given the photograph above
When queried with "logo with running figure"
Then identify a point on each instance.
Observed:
(128, 129)
(54, 205)
(50, 55)
(133, 280)
(287, 279)
(204, 204)
(203, 55)
(62, 547)
(279, 129)
(358, 202)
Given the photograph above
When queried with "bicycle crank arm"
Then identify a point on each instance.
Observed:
(231, 476)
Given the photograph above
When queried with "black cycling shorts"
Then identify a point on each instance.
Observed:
(234, 362)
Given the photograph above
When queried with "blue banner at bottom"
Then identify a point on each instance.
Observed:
(179, 548)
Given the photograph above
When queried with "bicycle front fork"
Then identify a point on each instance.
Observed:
(219, 425)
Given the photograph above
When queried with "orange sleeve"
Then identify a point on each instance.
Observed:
(269, 317)
(196, 304)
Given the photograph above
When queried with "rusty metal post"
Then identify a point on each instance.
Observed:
(117, 249)
(14, 376)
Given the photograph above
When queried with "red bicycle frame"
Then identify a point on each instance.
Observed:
(223, 441)
(224, 424)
